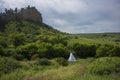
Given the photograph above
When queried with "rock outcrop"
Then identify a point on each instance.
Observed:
(27, 13)
(30, 13)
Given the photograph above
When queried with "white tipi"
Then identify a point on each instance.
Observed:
(71, 58)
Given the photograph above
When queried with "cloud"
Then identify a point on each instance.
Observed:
(75, 16)
(99, 26)
(62, 6)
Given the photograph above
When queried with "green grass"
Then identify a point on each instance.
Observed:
(90, 77)
(74, 71)
(93, 41)
(98, 38)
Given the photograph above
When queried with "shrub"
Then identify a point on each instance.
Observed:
(83, 50)
(48, 50)
(9, 52)
(59, 50)
(43, 62)
(27, 51)
(3, 42)
(105, 65)
(1, 51)
(58, 40)
(107, 50)
(18, 74)
(45, 50)
(115, 51)
(18, 56)
(61, 61)
(17, 39)
(8, 65)
(103, 50)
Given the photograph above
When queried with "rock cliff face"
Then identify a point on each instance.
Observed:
(28, 13)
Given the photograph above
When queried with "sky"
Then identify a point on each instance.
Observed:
(74, 16)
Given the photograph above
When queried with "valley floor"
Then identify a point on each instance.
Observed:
(73, 71)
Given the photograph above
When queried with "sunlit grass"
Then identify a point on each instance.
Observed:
(74, 71)
(93, 41)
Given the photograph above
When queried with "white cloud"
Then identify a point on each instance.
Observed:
(60, 22)
(98, 27)
(62, 6)
(16, 3)
(75, 16)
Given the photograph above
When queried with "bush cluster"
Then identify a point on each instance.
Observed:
(8, 65)
(108, 50)
(105, 65)
(43, 62)
(42, 50)
(95, 50)
(61, 61)
(83, 50)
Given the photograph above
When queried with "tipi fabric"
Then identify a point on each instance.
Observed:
(71, 58)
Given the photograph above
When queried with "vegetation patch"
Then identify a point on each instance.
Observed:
(43, 62)
(61, 61)
(8, 65)
(105, 65)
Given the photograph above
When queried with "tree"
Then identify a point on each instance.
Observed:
(60, 50)
(83, 50)
(115, 51)
(6, 11)
(45, 50)
(11, 27)
(104, 50)
(15, 10)
(18, 39)
(28, 7)
(27, 51)
(58, 39)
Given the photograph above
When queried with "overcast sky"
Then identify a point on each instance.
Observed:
(75, 16)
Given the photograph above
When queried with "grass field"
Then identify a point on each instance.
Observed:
(74, 71)
(103, 38)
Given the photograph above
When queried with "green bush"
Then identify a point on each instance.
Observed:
(103, 50)
(43, 62)
(83, 50)
(18, 74)
(9, 52)
(1, 51)
(107, 50)
(8, 65)
(48, 50)
(27, 51)
(115, 51)
(105, 65)
(17, 39)
(45, 50)
(58, 39)
(18, 56)
(59, 50)
(61, 61)
(3, 42)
